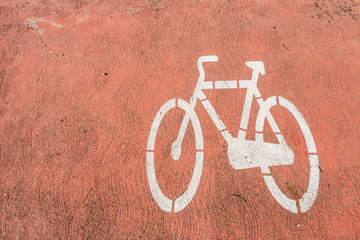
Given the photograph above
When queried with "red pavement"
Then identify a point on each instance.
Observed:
(82, 81)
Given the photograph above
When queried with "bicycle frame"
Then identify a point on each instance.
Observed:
(252, 92)
(242, 153)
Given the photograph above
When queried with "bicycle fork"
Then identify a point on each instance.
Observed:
(176, 146)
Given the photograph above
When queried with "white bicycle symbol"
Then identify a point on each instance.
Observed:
(242, 153)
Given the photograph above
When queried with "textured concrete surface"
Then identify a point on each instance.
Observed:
(82, 80)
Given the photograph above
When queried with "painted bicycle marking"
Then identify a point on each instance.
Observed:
(242, 153)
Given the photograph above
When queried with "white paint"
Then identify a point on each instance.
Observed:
(208, 85)
(309, 197)
(230, 84)
(176, 146)
(82, 16)
(155, 126)
(213, 115)
(246, 109)
(265, 113)
(226, 135)
(181, 202)
(257, 67)
(245, 83)
(242, 153)
(135, 10)
(32, 22)
(304, 127)
(164, 203)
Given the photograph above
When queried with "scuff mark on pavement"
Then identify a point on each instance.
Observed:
(84, 15)
(135, 10)
(237, 195)
(32, 23)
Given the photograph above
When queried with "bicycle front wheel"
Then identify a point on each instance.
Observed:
(308, 198)
(165, 203)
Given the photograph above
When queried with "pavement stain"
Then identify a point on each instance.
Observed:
(291, 188)
(331, 11)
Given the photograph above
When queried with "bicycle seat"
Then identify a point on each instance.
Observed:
(257, 66)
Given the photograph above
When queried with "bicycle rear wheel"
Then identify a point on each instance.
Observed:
(165, 203)
(308, 198)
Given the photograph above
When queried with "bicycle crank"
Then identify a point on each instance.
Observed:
(244, 154)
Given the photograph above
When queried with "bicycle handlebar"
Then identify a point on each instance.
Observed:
(211, 58)
(256, 66)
